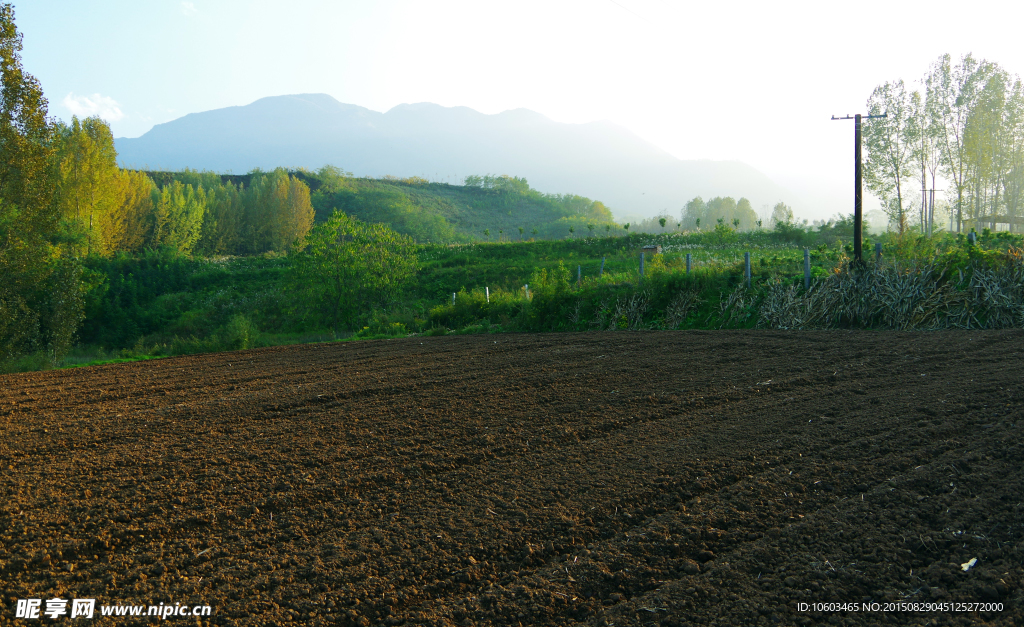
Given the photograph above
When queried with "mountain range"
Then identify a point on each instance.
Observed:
(599, 160)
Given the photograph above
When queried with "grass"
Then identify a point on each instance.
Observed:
(160, 305)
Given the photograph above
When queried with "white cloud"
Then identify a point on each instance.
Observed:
(88, 106)
(188, 9)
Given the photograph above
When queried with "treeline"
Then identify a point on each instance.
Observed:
(72, 222)
(697, 214)
(964, 131)
(108, 209)
(63, 200)
(719, 212)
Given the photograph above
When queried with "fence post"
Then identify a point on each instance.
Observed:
(602, 267)
(641, 267)
(487, 293)
(688, 263)
(527, 286)
(807, 269)
(878, 252)
(746, 267)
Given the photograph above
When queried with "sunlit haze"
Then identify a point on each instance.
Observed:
(753, 82)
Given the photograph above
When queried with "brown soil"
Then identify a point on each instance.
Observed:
(669, 478)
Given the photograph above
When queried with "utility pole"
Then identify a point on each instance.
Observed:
(926, 225)
(858, 212)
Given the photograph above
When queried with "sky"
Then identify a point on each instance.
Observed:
(750, 81)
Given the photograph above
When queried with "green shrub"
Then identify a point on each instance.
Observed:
(379, 329)
(240, 333)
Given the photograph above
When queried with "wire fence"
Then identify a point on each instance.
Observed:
(812, 290)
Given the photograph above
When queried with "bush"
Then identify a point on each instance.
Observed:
(240, 333)
(380, 329)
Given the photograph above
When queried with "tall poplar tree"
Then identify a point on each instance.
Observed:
(891, 144)
(90, 193)
(41, 287)
(951, 96)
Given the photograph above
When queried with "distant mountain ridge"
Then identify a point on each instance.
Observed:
(599, 159)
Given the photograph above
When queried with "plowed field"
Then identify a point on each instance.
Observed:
(676, 478)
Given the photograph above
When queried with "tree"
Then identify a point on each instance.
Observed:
(693, 212)
(296, 218)
(88, 188)
(727, 209)
(1013, 148)
(891, 144)
(781, 214)
(986, 138)
(277, 212)
(718, 208)
(223, 220)
(662, 221)
(929, 156)
(345, 264)
(41, 291)
(951, 95)
(745, 214)
(178, 217)
(135, 215)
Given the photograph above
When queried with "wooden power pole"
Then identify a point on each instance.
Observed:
(858, 212)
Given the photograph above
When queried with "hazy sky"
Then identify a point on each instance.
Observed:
(755, 82)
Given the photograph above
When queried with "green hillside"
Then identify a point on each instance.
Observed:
(487, 208)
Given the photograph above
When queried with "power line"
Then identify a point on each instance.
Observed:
(631, 11)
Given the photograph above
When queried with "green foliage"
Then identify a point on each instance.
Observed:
(178, 217)
(164, 303)
(241, 333)
(718, 210)
(347, 263)
(441, 213)
(378, 329)
(211, 214)
(277, 212)
(967, 126)
(41, 287)
(88, 189)
(891, 142)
